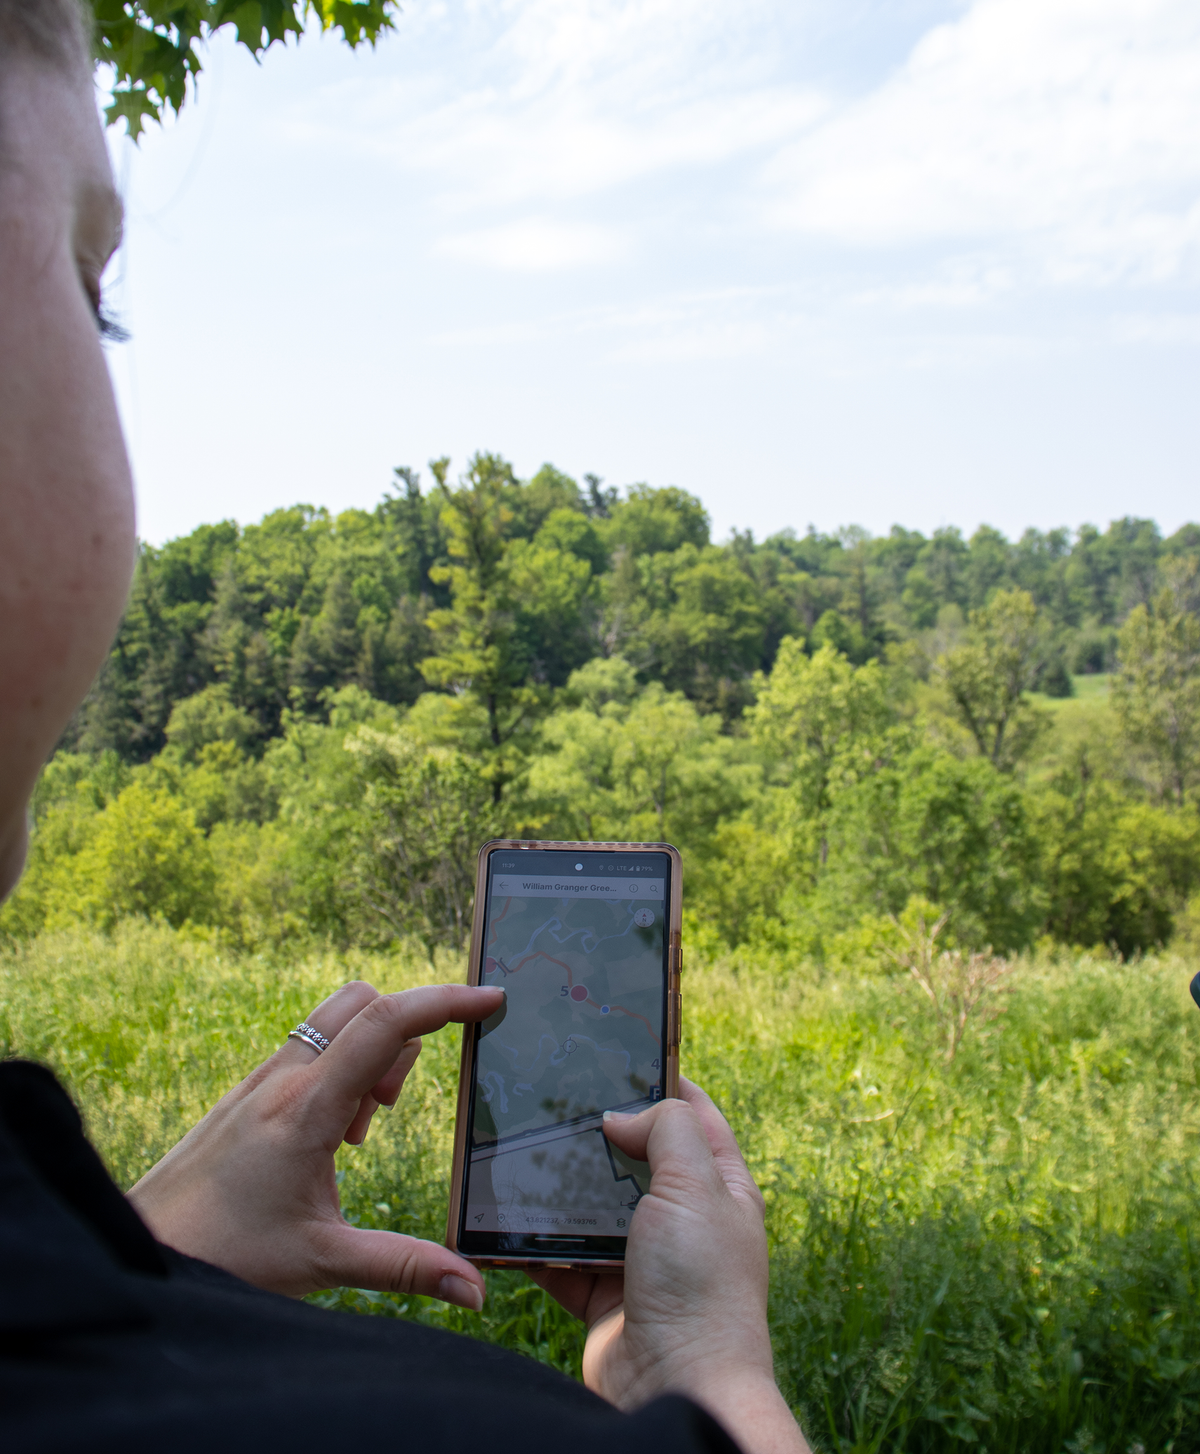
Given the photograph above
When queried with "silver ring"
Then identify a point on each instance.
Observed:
(304, 1031)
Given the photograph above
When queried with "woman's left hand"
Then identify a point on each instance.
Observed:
(252, 1187)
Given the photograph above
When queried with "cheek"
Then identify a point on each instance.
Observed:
(67, 524)
(67, 537)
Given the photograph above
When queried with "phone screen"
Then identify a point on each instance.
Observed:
(578, 940)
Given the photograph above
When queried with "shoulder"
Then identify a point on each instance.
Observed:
(218, 1365)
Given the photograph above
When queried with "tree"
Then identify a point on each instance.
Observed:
(1157, 690)
(648, 521)
(696, 624)
(988, 566)
(943, 562)
(159, 656)
(71, 794)
(551, 580)
(146, 856)
(989, 675)
(650, 769)
(860, 596)
(479, 646)
(154, 46)
(955, 833)
(1115, 873)
(820, 720)
(206, 717)
(833, 630)
(424, 813)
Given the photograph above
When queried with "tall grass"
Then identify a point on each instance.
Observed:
(998, 1251)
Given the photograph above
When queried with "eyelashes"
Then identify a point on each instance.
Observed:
(110, 330)
(107, 325)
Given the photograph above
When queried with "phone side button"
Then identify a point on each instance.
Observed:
(676, 1018)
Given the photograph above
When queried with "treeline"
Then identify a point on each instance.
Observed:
(307, 726)
(280, 613)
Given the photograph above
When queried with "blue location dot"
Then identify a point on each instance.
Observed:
(604, 1009)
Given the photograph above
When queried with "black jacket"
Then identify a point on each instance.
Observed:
(111, 1342)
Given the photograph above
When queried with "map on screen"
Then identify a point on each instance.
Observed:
(581, 959)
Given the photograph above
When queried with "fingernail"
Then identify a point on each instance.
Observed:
(459, 1291)
(617, 1116)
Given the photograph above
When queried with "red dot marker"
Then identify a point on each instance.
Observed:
(579, 992)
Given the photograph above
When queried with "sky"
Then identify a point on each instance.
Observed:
(828, 262)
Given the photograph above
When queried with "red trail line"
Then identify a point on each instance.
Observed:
(633, 1016)
(541, 954)
(495, 924)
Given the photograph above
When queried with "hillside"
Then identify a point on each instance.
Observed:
(307, 726)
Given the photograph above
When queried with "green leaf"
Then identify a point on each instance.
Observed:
(134, 107)
(155, 47)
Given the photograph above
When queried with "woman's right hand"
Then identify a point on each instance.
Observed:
(689, 1315)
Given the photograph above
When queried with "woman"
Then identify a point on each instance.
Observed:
(167, 1319)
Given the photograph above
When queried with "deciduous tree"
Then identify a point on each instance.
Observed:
(820, 719)
(1157, 690)
(424, 813)
(990, 674)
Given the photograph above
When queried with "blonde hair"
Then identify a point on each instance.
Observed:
(56, 31)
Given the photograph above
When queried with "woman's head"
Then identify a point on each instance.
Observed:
(66, 505)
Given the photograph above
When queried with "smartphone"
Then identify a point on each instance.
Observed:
(585, 940)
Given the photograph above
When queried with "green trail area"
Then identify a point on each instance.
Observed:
(996, 1250)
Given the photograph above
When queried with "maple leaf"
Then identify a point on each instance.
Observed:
(155, 47)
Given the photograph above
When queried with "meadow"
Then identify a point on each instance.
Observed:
(996, 1251)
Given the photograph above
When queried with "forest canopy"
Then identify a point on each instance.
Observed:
(308, 725)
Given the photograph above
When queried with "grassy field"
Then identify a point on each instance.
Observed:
(1092, 688)
(995, 1252)
(1090, 694)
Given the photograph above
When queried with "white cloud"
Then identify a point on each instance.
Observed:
(1019, 142)
(1069, 126)
(547, 100)
(814, 259)
(685, 330)
(1170, 329)
(535, 244)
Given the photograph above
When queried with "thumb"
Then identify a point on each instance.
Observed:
(672, 1139)
(392, 1262)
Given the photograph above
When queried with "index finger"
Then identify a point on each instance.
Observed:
(368, 1046)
